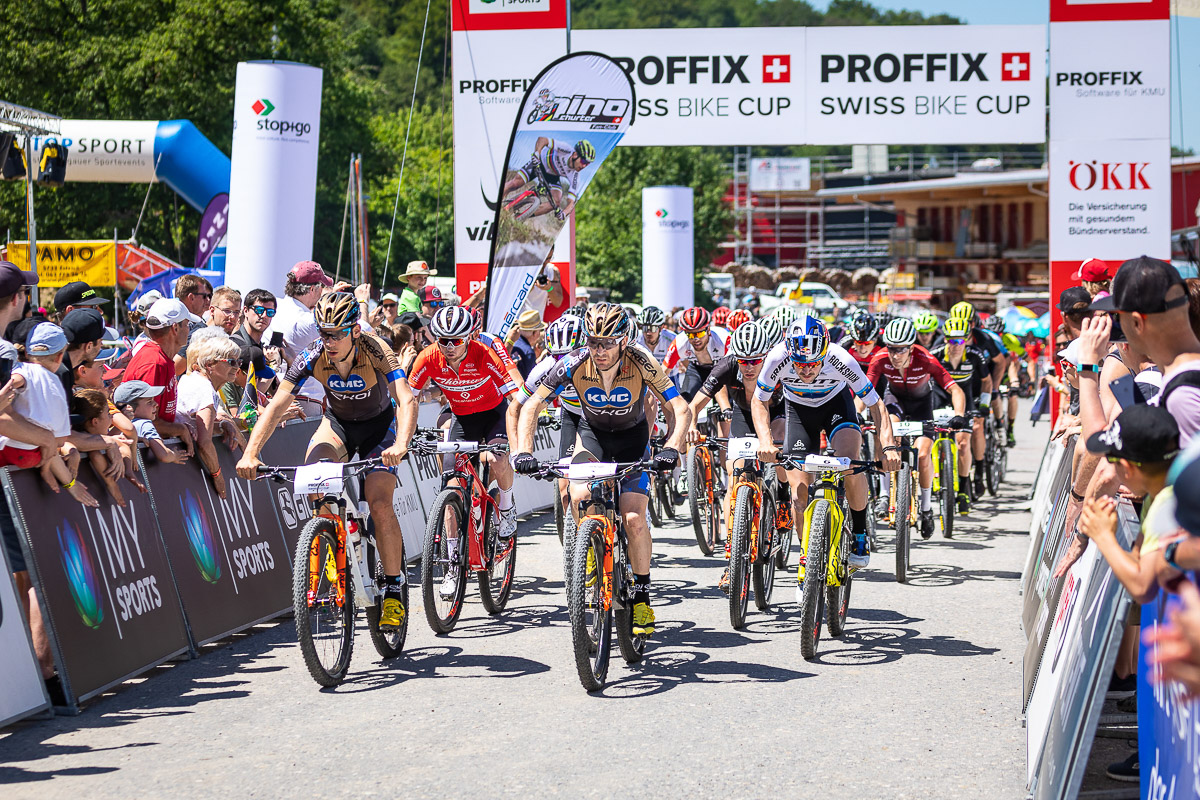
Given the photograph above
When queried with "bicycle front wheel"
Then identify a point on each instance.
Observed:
(496, 582)
(443, 561)
(324, 627)
(948, 500)
(591, 622)
(995, 446)
(903, 480)
(787, 533)
(739, 555)
(665, 500)
(653, 505)
(763, 571)
(812, 591)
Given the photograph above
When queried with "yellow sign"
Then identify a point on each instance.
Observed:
(59, 263)
(903, 280)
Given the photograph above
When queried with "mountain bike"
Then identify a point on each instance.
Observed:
(466, 513)
(904, 496)
(661, 504)
(760, 529)
(600, 575)
(874, 479)
(523, 200)
(825, 575)
(336, 569)
(995, 454)
(706, 485)
(945, 467)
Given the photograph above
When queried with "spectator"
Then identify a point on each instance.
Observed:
(525, 338)
(422, 338)
(168, 324)
(75, 294)
(295, 329)
(212, 363)
(93, 416)
(581, 297)
(402, 345)
(388, 304)
(196, 293)
(431, 301)
(138, 312)
(226, 309)
(417, 275)
(1093, 273)
(84, 328)
(257, 316)
(1193, 290)
(547, 287)
(136, 399)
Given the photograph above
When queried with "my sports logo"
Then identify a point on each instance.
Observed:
(620, 397)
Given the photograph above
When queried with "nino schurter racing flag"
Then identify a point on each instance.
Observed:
(572, 117)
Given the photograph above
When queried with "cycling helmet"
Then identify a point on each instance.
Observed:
(900, 332)
(750, 340)
(786, 314)
(452, 322)
(606, 320)
(963, 310)
(995, 324)
(925, 322)
(336, 310)
(476, 319)
(631, 335)
(863, 327)
(739, 318)
(807, 340)
(696, 319)
(564, 335)
(573, 311)
(956, 328)
(652, 316)
(773, 329)
(720, 316)
(584, 149)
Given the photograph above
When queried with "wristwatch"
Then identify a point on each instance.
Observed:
(1088, 368)
(1169, 555)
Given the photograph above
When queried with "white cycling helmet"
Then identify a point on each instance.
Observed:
(564, 334)
(750, 341)
(452, 322)
(773, 328)
(900, 332)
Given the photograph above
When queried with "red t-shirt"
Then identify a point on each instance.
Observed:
(916, 381)
(150, 364)
(479, 384)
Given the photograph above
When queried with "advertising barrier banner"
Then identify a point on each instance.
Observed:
(23, 692)
(104, 581)
(287, 448)
(570, 119)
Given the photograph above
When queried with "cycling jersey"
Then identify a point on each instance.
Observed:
(497, 346)
(661, 347)
(986, 344)
(837, 371)
(479, 384)
(361, 395)
(681, 349)
(968, 374)
(864, 361)
(727, 374)
(568, 397)
(918, 379)
(554, 158)
(620, 407)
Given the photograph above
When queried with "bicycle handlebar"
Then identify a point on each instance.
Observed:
(549, 471)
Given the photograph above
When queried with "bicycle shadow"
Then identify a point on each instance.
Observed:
(664, 669)
(511, 620)
(884, 643)
(446, 661)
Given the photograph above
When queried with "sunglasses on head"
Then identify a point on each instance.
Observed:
(263, 311)
(602, 344)
(451, 341)
(335, 336)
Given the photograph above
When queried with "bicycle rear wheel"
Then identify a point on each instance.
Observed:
(903, 479)
(591, 623)
(496, 582)
(787, 534)
(739, 555)
(699, 468)
(837, 598)
(558, 514)
(763, 570)
(324, 628)
(947, 499)
(388, 644)
(812, 592)
(447, 520)
(654, 504)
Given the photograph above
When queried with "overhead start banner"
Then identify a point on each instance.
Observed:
(570, 119)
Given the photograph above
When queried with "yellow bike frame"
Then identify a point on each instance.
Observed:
(837, 518)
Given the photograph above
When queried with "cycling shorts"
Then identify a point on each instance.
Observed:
(366, 438)
(741, 424)
(911, 409)
(803, 424)
(567, 434)
(482, 426)
(621, 447)
(694, 378)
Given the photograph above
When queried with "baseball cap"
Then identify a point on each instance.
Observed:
(581, 293)
(46, 339)
(310, 272)
(390, 297)
(1093, 270)
(13, 279)
(1141, 433)
(168, 311)
(129, 391)
(83, 325)
(430, 294)
(77, 293)
(1142, 285)
(106, 354)
(411, 319)
(1074, 299)
(148, 299)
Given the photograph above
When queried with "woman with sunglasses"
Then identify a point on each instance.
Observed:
(212, 363)
(968, 370)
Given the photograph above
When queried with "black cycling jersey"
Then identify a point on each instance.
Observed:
(726, 373)
(969, 375)
(985, 347)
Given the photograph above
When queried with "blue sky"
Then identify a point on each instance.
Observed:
(1029, 12)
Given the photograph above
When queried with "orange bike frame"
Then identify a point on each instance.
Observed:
(731, 509)
(339, 558)
(610, 540)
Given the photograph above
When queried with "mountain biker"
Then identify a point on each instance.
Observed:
(1012, 377)
(650, 333)
(611, 378)
(862, 338)
(559, 164)
(991, 351)
(967, 369)
(695, 350)
(370, 412)
(926, 323)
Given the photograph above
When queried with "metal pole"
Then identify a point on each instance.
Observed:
(30, 220)
(568, 26)
(749, 214)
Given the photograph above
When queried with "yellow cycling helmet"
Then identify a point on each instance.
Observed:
(956, 328)
(963, 311)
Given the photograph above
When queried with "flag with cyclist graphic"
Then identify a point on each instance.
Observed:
(571, 118)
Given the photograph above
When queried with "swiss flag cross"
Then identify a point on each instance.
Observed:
(1014, 66)
(777, 69)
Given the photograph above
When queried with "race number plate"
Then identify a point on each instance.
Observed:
(743, 448)
(324, 477)
(591, 471)
(458, 447)
(825, 464)
(908, 428)
(943, 416)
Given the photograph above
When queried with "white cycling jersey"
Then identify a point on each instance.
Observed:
(568, 395)
(660, 349)
(839, 370)
(555, 159)
(681, 349)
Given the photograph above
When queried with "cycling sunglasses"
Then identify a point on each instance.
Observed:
(864, 343)
(956, 341)
(598, 343)
(651, 328)
(452, 341)
(750, 362)
(898, 350)
(697, 334)
(335, 336)
(263, 311)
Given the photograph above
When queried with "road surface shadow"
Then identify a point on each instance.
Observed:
(664, 669)
(436, 662)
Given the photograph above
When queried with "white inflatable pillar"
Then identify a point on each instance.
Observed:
(273, 181)
(668, 268)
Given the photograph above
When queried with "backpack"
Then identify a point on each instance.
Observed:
(1189, 377)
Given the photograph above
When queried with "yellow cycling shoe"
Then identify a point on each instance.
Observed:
(391, 616)
(643, 619)
(590, 569)
(330, 567)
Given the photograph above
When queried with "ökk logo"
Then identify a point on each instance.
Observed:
(262, 107)
(1107, 175)
(619, 398)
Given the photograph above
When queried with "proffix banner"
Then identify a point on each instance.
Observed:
(570, 119)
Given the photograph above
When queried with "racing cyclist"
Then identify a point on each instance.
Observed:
(611, 378)
(992, 353)
(926, 323)
(819, 381)
(967, 369)
(370, 412)
(862, 338)
(1012, 376)
(695, 350)
(650, 335)
(561, 164)
(905, 375)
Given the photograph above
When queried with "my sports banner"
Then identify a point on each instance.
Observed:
(570, 119)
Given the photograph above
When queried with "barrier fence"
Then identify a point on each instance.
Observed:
(124, 589)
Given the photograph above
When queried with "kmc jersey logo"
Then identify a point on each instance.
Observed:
(351, 383)
(81, 575)
(200, 537)
(619, 398)
(262, 107)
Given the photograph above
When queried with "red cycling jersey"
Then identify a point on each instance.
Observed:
(917, 380)
(480, 384)
(863, 361)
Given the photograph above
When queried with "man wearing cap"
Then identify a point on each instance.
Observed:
(525, 340)
(388, 305)
(84, 328)
(417, 275)
(76, 294)
(1093, 273)
(1149, 299)
(431, 301)
(167, 329)
(294, 329)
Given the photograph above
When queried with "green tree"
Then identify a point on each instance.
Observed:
(608, 229)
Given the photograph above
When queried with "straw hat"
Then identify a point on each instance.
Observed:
(418, 268)
(530, 321)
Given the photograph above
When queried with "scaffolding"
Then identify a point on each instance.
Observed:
(27, 123)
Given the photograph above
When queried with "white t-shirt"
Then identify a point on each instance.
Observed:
(44, 402)
(537, 297)
(195, 394)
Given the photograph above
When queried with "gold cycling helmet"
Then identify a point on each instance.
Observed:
(606, 321)
(336, 310)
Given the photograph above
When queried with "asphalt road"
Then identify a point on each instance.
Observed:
(919, 699)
